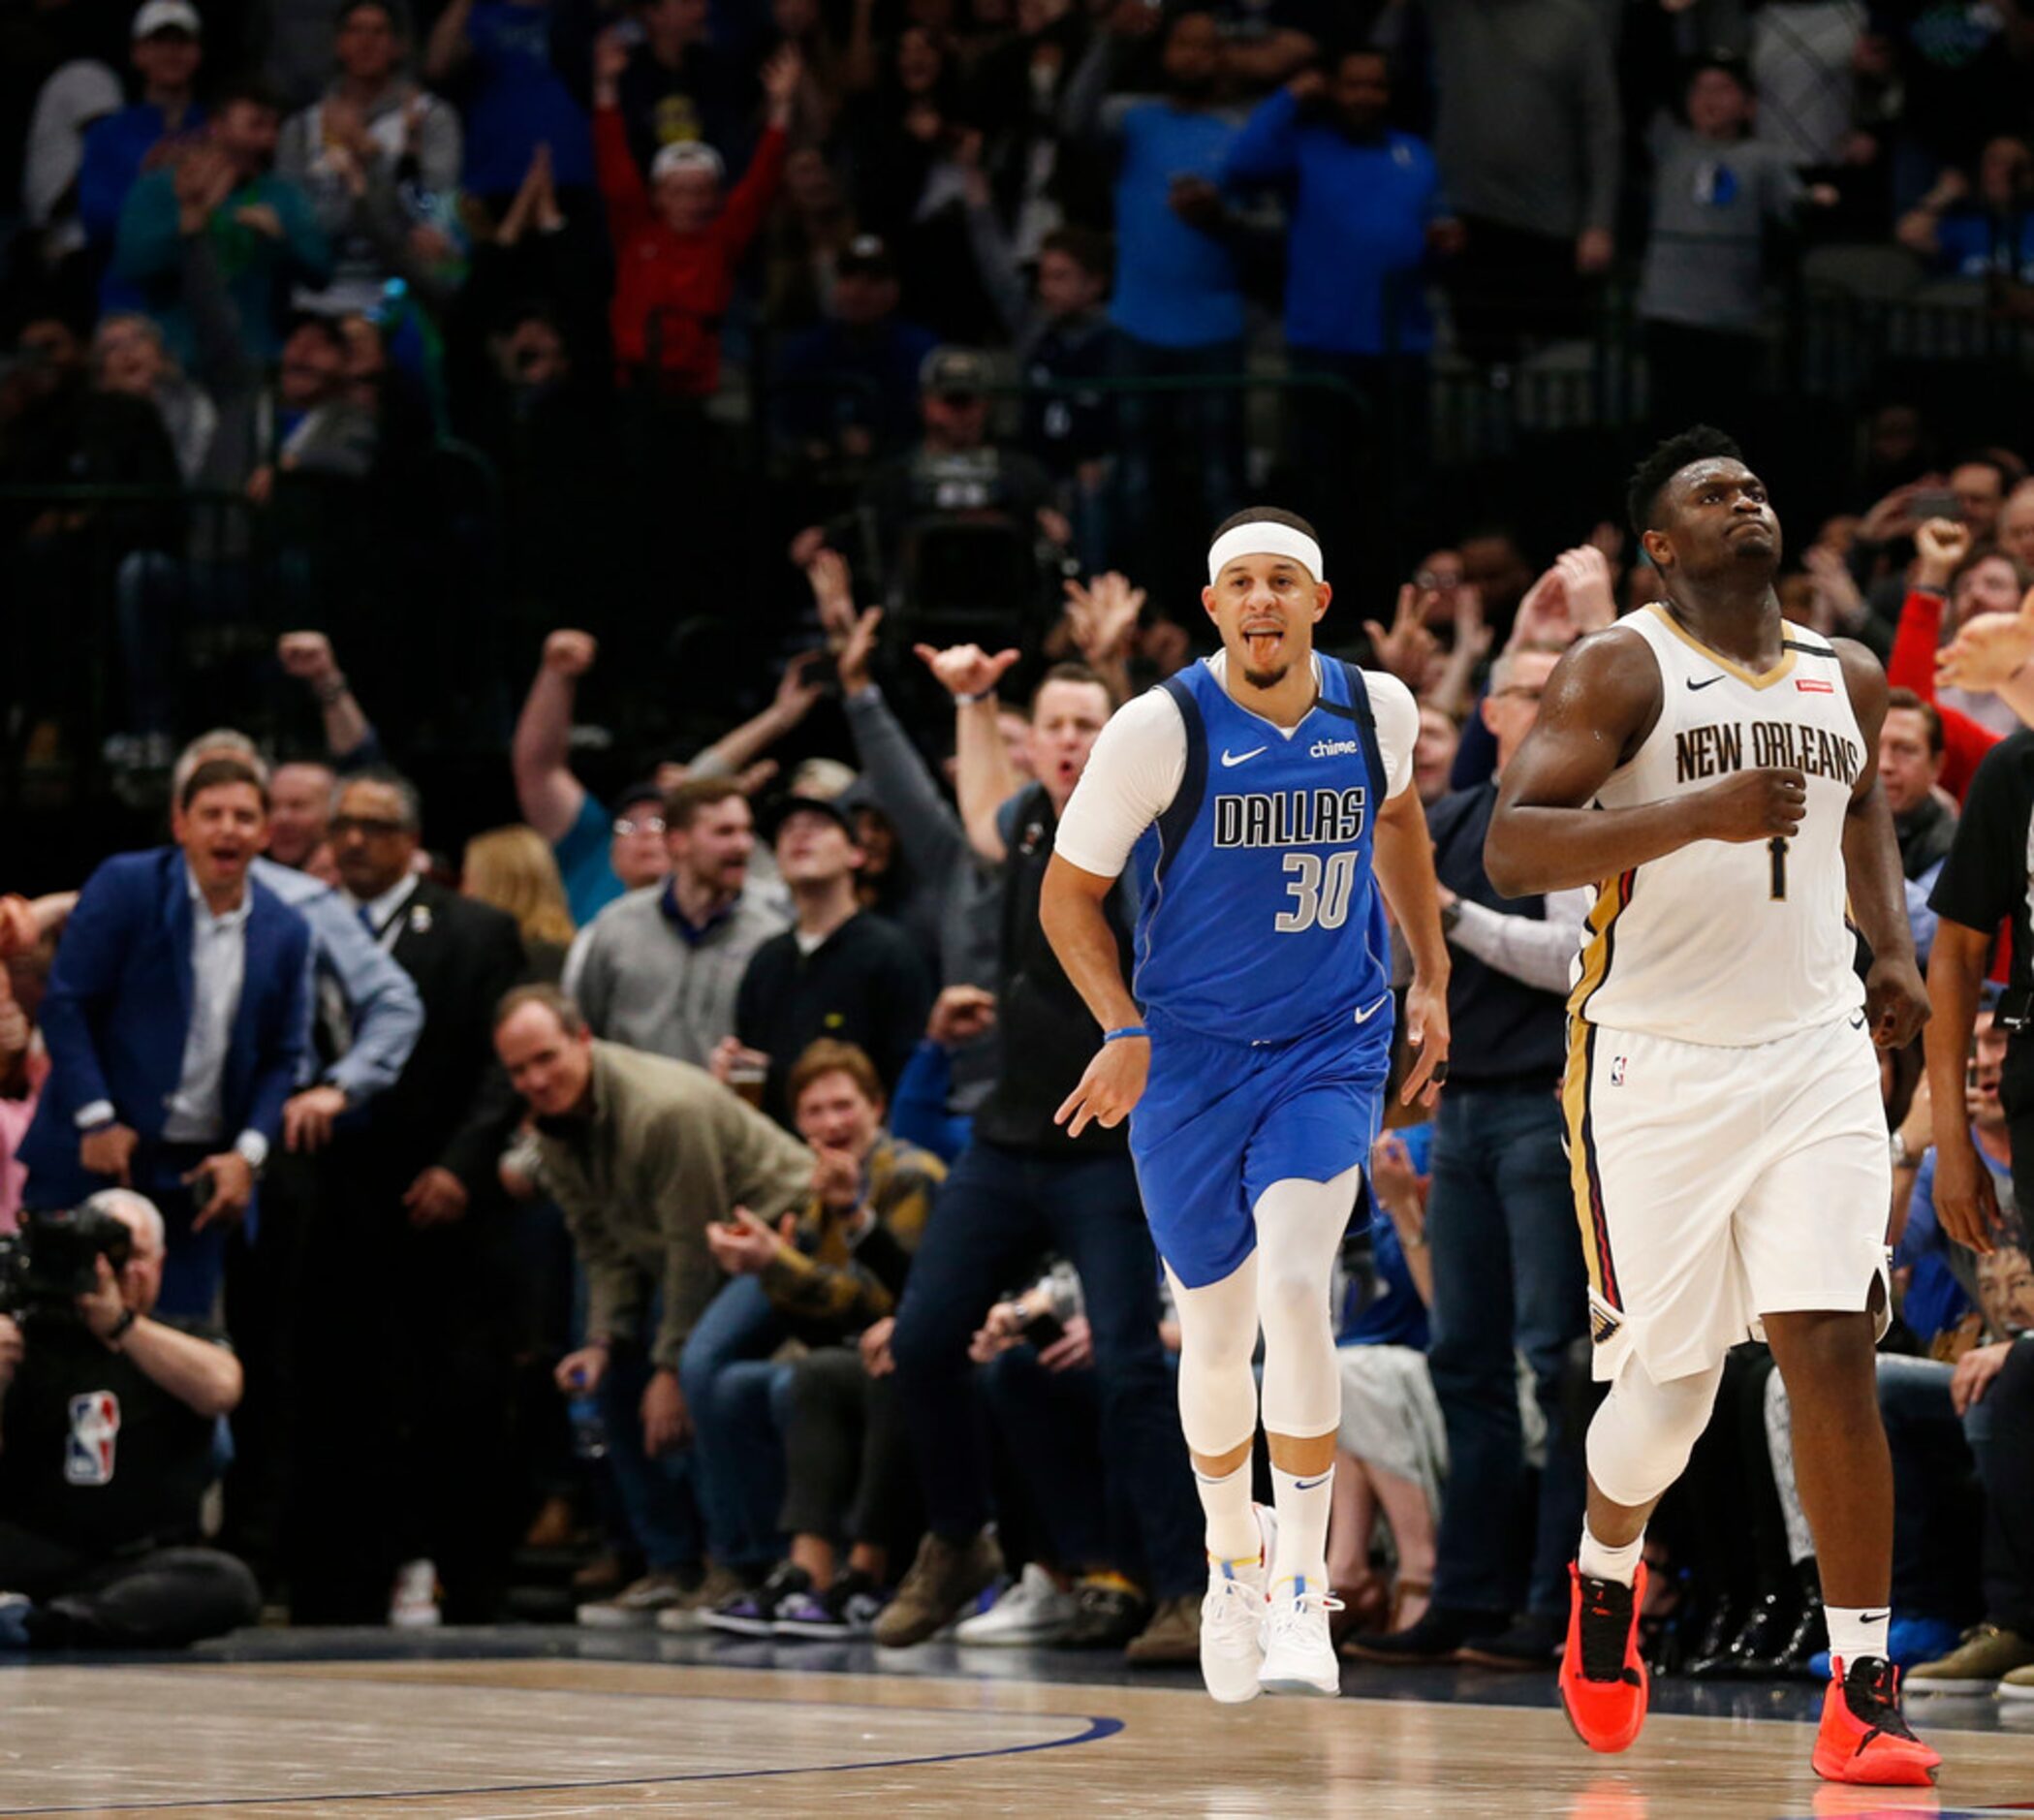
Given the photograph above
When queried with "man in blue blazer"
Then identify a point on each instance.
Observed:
(176, 1021)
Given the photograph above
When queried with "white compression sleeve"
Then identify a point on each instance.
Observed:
(1217, 1338)
(1641, 1437)
(1300, 1227)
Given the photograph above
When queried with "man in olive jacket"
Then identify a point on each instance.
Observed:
(643, 1153)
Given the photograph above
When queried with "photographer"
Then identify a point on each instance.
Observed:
(107, 1422)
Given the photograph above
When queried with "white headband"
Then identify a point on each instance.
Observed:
(1263, 538)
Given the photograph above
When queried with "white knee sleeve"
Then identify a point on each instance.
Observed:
(1300, 1227)
(1641, 1439)
(1217, 1339)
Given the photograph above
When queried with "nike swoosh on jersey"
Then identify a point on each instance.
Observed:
(1857, 1022)
(1704, 683)
(1368, 1011)
(1229, 758)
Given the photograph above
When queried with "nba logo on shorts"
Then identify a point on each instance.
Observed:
(1616, 1071)
(88, 1453)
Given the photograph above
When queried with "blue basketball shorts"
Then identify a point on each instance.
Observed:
(1220, 1122)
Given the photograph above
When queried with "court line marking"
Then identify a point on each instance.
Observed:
(1097, 1728)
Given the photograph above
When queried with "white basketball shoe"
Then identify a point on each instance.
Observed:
(1299, 1655)
(1233, 1620)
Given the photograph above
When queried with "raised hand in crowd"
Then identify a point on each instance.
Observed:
(1408, 648)
(1895, 515)
(966, 672)
(833, 594)
(1989, 648)
(860, 646)
(1589, 588)
(570, 653)
(1939, 547)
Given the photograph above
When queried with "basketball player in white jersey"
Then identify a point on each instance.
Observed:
(1712, 770)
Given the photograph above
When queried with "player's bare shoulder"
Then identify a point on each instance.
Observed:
(1864, 680)
(1607, 686)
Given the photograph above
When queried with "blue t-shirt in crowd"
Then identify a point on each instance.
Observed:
(519, 103)
(1176, 287)
(1973, 245)
(1935, 1300)
(1359, 215)
(581, 852)
(1394, 1315)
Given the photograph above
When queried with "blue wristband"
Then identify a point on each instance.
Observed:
(1128, 1030)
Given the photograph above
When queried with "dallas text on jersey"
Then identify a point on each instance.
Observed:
(1711, 751)
(1291, 818)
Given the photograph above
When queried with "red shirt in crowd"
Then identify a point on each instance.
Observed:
(1912, 665)
(672, 289)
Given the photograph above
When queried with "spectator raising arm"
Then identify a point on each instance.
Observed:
(987, 778)
(350, 737)
(450, 43)
(546, 792)
(732, 753)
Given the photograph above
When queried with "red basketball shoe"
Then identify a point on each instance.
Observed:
(1863, 1736)
(1603, 1680)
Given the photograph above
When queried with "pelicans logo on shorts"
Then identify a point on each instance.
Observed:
(88, 1452)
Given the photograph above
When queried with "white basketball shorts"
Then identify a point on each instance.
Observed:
(1715, 1185)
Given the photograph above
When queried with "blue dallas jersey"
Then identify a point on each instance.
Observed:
(1261, 918)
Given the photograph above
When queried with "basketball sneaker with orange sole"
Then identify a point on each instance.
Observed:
(1603, 1680)
(1864, 1738)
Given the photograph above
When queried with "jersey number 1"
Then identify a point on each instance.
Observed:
(1777, 847)
(1320, 895)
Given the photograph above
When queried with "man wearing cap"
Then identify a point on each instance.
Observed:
(957, 471)
(849, 387)
(1267, 796)
(123, 144)
(677, 243)
(659, 970)
(838, 971)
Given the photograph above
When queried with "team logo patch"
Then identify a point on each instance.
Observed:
(1616, 1071)
(88, 1450)
(1605, 1321)
(1814, 685)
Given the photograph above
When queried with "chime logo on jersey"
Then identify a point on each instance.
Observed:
(88, 1451)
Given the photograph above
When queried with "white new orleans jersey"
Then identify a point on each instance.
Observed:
(1719, 942)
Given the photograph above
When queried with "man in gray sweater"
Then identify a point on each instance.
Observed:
(659, 968)
(1528, 143)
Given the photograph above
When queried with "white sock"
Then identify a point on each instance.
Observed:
(1302, 1504)
(1233, 1535)
(1597, 1561)
(1856, 1632)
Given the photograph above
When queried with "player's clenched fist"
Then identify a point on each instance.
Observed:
(1755, 804)
(1114, 1084)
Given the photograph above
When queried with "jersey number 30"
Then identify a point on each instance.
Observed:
(1320, 894)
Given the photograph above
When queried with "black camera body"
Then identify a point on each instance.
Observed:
(54, 1258)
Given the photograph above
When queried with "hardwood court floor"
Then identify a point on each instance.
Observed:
(491, 1738)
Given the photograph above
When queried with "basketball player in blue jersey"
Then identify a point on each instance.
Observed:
(1713, 770)
(1264, 795)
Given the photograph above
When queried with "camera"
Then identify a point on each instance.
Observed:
(54, 1258)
